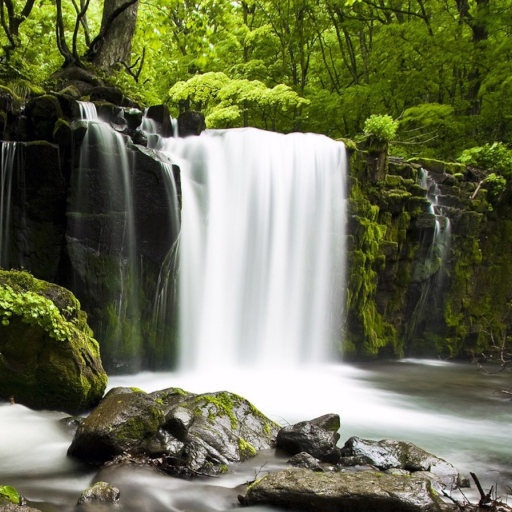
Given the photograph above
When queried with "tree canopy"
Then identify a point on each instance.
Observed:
(441, 68)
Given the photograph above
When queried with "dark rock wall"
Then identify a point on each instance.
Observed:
(404, 298)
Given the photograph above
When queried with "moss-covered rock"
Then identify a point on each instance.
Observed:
(48, 358)
(202, 432)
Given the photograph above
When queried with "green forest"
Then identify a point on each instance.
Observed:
(439, 68)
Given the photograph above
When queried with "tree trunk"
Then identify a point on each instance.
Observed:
(114, 42)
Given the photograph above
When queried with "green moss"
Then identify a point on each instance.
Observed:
(10, 493)
(246, 450)
(223, 406)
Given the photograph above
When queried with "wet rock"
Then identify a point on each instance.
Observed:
(304, 460)
(388, 454)
(100, 492)
(124, 421)
(47, 356)
(201, 432)
(191, 123)
(160, 114)
(312, 438)
(133, 118)
(301, 489)
(71, 423)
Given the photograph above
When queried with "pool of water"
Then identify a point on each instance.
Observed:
(449, 409)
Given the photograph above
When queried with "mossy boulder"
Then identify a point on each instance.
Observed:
(303, 489)
(43, 113)
(48, 358)
(202, 432)
(124, 421)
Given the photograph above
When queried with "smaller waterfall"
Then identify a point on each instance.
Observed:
(430, 271)
(101, 233)
(7, 175)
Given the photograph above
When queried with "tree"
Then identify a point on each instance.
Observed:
(114, 42)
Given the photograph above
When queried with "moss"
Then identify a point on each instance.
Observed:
(223, 406)
(246, 450)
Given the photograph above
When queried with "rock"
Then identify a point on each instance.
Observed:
(48, 358)
(388, 454)
(12, 507)
(160, 114)
(202, 432)
(301, 489)
(133, 118)
(71, 423)
(310, 437)
(43, 112)
(62, 133)
(330, 422)
(108, 94)
(304, 460)
(108, 112)
(124, 421)
(191, 123)
(100, 492)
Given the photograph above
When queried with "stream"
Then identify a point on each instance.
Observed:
(449, 409)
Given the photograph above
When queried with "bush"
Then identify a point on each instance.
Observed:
(381, 127)
(491, 157)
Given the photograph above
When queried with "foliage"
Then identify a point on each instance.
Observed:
(382, 128)
(10, 493)
(34, 310)
(492, 157)
(224, 100)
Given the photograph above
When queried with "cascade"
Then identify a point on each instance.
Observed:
(435, 246)
(261, 246)
(106, 231)
(8, 169)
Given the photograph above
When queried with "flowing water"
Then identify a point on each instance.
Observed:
(448, 409)
(8, 169)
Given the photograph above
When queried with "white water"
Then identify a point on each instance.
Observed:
(261, 248)
(450, 410)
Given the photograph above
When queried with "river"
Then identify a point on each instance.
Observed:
(449, 409)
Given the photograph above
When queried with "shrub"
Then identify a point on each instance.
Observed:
(381, 127)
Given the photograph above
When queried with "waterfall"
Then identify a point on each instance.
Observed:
(430, 271)
(261, 247)
(7, 171)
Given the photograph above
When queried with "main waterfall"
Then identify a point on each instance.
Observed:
(261, 247)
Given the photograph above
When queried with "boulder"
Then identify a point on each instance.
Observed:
(160, 114)
(48, 358)
(302, 489)
(100, 492)
(124, 421)
(312, 437)
(191, 123)
(201, 432)
(388, 454)
(304, 460)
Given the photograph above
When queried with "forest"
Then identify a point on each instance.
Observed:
(439, 68)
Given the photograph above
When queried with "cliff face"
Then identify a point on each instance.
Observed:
(429, 256)
(429, 261)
